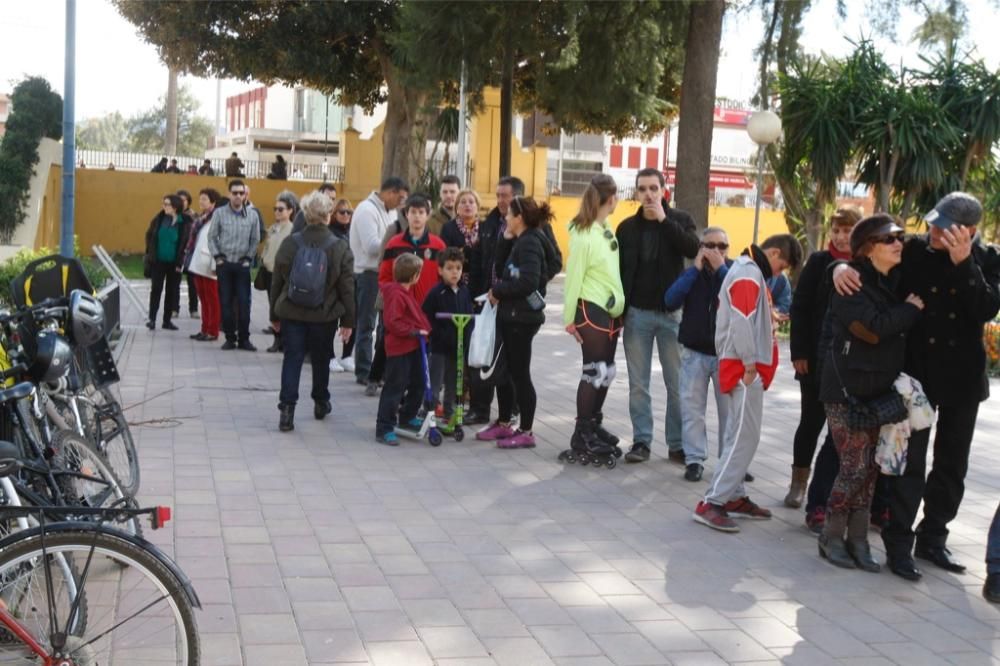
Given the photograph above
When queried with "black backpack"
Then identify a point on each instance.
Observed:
(307, 278)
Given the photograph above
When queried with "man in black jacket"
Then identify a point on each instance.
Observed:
(959, 280)
(653, 244)
(809, 305)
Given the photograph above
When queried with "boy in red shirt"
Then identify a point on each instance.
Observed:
(415, 239)
(404, 322)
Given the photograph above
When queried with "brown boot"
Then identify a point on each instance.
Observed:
(797, 490)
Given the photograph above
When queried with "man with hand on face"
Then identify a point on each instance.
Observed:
(654, 243)
(957, 277)
(450, 186)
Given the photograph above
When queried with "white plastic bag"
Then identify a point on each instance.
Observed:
(483, 338)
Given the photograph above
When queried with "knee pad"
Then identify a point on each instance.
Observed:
(594, 374)
(610, 372)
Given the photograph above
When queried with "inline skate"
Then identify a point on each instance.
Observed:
(586, 448)
(604, 436)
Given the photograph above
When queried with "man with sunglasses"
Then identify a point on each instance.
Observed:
(697, 291)
(957, 277)
(654, 243)
(232, 240)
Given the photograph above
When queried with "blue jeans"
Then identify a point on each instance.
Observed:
(234, 294)
(993, 545)
(696, 371)
(365, 293)
(299, 337)
(642, 328)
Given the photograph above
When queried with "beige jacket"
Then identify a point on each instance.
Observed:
(278, 232)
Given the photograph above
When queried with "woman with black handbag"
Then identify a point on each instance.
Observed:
(867, 355)
(285, 207)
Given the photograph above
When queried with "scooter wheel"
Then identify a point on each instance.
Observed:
(459, 434)
(434, 437)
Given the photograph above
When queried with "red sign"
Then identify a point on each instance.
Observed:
(717, 179)
(731, 116)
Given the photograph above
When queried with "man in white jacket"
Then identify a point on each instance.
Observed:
(748, 358)
(371, 218)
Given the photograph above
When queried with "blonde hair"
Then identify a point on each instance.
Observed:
(316, 207)
(472, 193)
(405, 267)
(601, 188)
(341, 202)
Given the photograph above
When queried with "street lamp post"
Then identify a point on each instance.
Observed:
(764, 128)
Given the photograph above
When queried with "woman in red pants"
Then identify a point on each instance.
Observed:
(199, 262)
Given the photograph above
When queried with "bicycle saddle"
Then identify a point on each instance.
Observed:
(10, 458)
(16, 392)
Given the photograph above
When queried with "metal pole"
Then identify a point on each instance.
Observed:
(326, 137)
(69, 136)
(760, 191)
(461, 160)
(559, 164)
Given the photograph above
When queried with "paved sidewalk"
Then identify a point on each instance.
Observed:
(321, 546)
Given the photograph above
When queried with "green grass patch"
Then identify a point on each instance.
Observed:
(130, 265)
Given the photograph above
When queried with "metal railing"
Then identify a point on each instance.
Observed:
(128, 161)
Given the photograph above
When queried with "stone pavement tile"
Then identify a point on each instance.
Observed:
(605, 583)
(699, 618)
(635, 607)
(599, 620)
(453, 642)
(305, 544)
(704, 659)
(549, 571)
(416, 587)
(629, 649)
(970, 658)
(835, 641)
(516, 587)
(908, 653)
(497, 565)
(213, 590)
(312, 589)
(804, 655)
(310, 566)
(255, 575)
(401, 565)
(573, 594)
(322, 615)
(355, 575)
(209, 567)
(733, 644)
(466, 661)
(387, 625)
(865, 661)
(246, 518)
(291, 654)
(268, 629)
(539, 611)
(398, 652)
(932, 637)
(769, 632)
(517, 651)
(370, 598)
(221, 650)
(347, 553)
(472, 596)
(670, 635)
(495, 623)
(565, 641)
(216, 619)
(432, 613)
(583, 661)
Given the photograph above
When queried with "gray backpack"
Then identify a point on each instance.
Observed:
(307, 278)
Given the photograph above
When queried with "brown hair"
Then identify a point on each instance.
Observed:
(847, 215)
(534, 214)
(405, 267)
(601, 188)
(788, 245)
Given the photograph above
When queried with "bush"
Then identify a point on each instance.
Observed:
(36, 113)
(13, 267)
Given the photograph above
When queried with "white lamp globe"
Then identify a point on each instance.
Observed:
(764, 127)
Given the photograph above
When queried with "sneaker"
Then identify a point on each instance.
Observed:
(371, 390)
(496, 431)
(347, 364)
(247, 346)
(744, 507)
(228, 345)
(693, 472)
(335, 366)
(815, 520)
(520, 440)
(638, 453)
(714, 516)
(475, 418)
(676, 456)
(151, 325)
(389, 439)
(168, 326)
(414, 424)
(194, 314)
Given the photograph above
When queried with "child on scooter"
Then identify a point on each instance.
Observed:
(452, 297)
(404, 372)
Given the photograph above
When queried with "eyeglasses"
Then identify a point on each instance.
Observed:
(715, 246)
(344, 211)
(280, 209)
(888, 239)
(611, 237)
(238, 193)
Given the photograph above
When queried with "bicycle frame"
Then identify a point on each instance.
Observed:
(10, 622)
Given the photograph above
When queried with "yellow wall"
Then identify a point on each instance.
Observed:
(48, 232)
(738, 222)
(113, 208)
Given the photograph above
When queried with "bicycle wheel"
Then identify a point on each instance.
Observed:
(107, 431)
(90, 481)
(142, 613)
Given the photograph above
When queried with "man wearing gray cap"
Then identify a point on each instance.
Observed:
(957, 277)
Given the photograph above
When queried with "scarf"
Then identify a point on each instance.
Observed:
(471, 234)
(837, 254)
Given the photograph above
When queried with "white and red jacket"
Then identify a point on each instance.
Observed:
(743, 332)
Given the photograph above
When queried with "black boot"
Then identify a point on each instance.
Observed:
(857, 542)
(277, 346)
(321, 409)
(834, 549)
(602, 434)
(286, 419)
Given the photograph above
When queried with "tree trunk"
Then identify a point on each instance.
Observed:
(506, 109)
(402, 154)
(694, 134)
(908, 202)
(170, 138)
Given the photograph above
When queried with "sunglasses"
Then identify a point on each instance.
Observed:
(715, 246)
(888, 239)
(344, 211)
(279, 209)
(238, 193)
(611, 237)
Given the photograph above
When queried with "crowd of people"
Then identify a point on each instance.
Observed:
(886, 335)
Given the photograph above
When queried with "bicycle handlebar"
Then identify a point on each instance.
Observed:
(46, 308)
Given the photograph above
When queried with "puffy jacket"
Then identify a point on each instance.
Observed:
(182, 237)
(403, 319)
(200, 261)
(809, 306)
(427, 248)
(527, 264)
(338, 299)
(698, 293)
(444, 299)
(869, 338)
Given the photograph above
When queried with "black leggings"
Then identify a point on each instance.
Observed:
(600, 341)
(811, 420)
(517, 339)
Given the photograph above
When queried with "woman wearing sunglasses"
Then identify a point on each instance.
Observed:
(592, 314)
(866, 357)
(340, 225)
(285, 207)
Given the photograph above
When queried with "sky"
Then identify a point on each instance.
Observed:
(117, 71)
